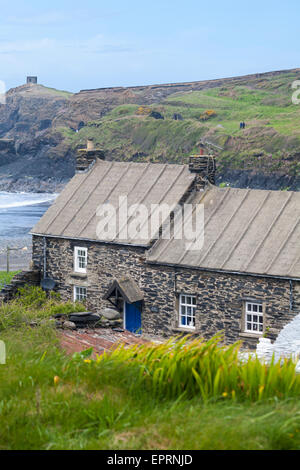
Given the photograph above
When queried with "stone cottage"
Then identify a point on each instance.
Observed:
(243, 279)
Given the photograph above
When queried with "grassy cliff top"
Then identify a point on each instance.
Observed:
(38, 90)
(269, 143)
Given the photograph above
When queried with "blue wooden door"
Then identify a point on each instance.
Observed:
(133, 317)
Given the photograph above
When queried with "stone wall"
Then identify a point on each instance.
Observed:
(220, 297)
(30, 277)
(220, 302)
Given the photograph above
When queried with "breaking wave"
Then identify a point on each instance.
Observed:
(11, 200)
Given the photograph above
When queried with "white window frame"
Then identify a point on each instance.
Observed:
(187, 309)
(77, 265)
(254, 317)
(78, 295)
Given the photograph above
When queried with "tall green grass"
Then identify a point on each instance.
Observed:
(208, 370)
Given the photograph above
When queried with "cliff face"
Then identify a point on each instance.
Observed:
(33, 155)
(41, 129)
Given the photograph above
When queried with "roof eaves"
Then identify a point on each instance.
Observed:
(222, 271)
(106, 242)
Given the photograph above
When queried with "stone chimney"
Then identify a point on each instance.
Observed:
(205, 167)
(87, 157)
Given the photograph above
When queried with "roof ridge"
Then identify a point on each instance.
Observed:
(268, 231)
(202, 258)
(256, 212)
(173, 236)
(86, 175)
(277, 191)
(91, 192)
(139, 176)
(283, 244)
(144, 196)
(109, 193)
(162, 198)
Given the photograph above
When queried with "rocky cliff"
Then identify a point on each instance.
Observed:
(33, 155)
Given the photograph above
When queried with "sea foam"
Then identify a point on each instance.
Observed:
(11, 200)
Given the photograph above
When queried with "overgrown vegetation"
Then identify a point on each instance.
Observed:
(182, 394)
(34, 306)
(5, 277)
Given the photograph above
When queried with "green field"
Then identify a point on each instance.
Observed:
(188, 396)
(269, 143)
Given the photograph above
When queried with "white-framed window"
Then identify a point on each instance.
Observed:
(187, 309)
(80, 259)
(254, 317)
(80, 293)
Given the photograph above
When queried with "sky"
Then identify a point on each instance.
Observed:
(75, 44)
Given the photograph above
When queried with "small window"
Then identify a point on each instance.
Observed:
(254, 320)
(187, 308)
(80, 260)
(80, 294)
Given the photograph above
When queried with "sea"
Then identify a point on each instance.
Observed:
(19, 212)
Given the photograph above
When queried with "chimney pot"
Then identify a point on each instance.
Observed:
(90, 144)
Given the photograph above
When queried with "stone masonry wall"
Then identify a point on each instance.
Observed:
(220, 302)
(105, 263)
(220, 297)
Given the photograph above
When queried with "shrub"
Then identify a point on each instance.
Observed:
(156, 115)
(208, 114)
(143, 110)
(32, 304)
(34, 296)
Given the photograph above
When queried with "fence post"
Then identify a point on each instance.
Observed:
(7, 258)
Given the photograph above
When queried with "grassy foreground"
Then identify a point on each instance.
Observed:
(170, 396)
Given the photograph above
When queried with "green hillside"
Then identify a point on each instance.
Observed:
(269, 143)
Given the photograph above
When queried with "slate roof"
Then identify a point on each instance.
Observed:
(245, 231)
(73, 214)
(127, 288)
